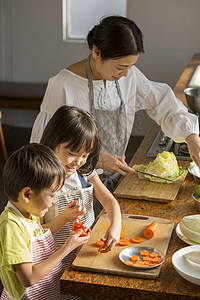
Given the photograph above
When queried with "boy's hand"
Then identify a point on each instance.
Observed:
(75, 240)
(71, 212)
(79, 225)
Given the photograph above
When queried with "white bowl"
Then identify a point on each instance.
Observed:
(186, 269)
(184, 238)
(195, 172)
(188, 233)
(197, 202)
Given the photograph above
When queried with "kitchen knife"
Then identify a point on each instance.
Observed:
(156, 176)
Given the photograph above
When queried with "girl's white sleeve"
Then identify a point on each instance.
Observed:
(162, 106)
(94, 172)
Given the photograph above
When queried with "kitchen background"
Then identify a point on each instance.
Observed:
(32, 48)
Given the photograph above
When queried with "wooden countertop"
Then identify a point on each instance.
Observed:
(169, 285)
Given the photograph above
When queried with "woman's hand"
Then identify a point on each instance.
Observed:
(193, 142)
(71, 212)
(113, 163)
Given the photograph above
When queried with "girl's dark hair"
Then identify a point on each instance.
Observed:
(116, 37)
(78, 129)
(35, 166)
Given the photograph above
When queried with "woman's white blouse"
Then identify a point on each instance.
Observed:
(158, 99)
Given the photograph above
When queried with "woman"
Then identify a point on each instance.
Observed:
(112, 89)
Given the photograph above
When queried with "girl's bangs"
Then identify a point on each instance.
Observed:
(84, 141)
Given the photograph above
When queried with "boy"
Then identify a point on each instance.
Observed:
(30, 264)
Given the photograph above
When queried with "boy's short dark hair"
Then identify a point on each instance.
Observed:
(33, 165)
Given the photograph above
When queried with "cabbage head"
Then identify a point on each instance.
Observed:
(164, 165)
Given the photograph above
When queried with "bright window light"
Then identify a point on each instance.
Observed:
(79, 16)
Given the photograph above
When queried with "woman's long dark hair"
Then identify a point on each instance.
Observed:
(78, 129)
(116, 37)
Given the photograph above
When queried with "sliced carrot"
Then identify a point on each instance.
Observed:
(153, 254)
(147, 263)
(144, 253)
(150, 230)
(123, 242)
(134, 258)
(156, 260)
(122, 235)
(139, 263)
(152, 265)
(146, 258)
(101, 247)
(99, 243)
(130, 263)
(78, 225)
(137, 240)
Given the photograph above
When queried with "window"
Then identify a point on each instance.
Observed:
(79, 16)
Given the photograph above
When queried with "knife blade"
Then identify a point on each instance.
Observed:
(156, 176)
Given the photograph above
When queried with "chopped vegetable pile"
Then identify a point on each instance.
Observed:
(78, 225)
(148, 259)
(164, 165)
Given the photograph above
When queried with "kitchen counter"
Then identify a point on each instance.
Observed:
(169, 285)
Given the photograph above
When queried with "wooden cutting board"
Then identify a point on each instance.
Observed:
(133, 187)
(90, 259)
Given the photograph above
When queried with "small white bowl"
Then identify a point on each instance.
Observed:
(195, 172)
(197, 202)
(187, 270)
(190, 234)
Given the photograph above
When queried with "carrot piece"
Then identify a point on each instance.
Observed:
(153, 264)
(130, 263)
(150, 230)
(156, 260)
(144, 253)
(122, 235)
(100, 248)
(147, 263)
(123, 242)
(139, 263)
(153, 254)
(134, 258)
(78, 225)
(137, 240)
(146, 258)
(99, 243)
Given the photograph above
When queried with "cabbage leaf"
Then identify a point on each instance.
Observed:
(192, 222)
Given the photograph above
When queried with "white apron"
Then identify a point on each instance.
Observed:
(42, 247)
(112, 126)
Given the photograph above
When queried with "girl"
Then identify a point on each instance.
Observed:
(109, 86)
(72, 134)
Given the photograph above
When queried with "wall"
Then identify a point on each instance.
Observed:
(32, 49)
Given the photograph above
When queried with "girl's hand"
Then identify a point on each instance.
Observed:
(71, 212)
(111, 238)
(113, 163)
